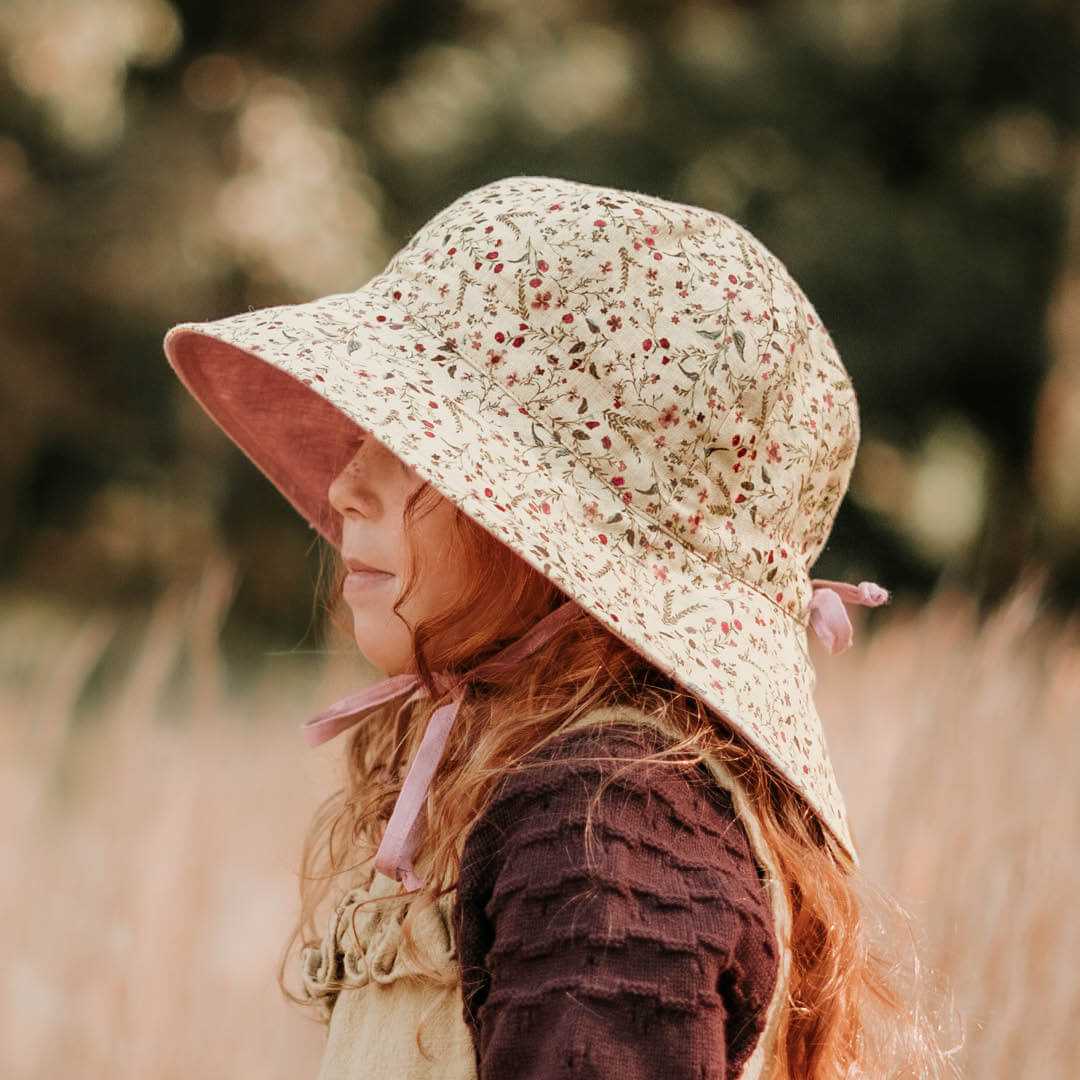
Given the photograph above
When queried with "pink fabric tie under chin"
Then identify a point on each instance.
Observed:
(395, 855)
(828, 618)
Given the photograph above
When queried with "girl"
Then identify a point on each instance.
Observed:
(578, 449)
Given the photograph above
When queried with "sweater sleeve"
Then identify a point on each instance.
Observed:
(611, 921)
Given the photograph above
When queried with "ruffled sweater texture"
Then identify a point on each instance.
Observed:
(610, 919)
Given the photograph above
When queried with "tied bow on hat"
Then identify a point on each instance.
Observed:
(828, 616)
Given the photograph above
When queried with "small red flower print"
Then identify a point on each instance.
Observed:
(606, 268)
(518, 342)
(605, 442)
(500, 337)
(542, 301)
(419, 348)
(774, 453)
(603, 539)
(490, 229)
(568, 318)
(546, 507)
(535, 282)
(618, 481)
(380, 318)
(600, 223)
(647, 344)
(495, 356)
(626, 496)
(451, 251)
(695, 521)
(542, 266)
(660, 441)
(669, 416)
(498, 268)
(492, 255)
(725, 627)
(651, 274)
(740, 498)
(828, 399)
(592, 511)
(738, 625)
(614, 322)
(397, 294)
(489, 493)
(660, 572)
(664, 343)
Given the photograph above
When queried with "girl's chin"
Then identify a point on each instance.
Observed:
(388, 650)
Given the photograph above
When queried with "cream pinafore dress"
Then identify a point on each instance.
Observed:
(387, 1023)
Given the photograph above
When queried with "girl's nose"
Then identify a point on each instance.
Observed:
(350, 492)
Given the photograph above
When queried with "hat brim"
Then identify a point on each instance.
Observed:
(291, 386)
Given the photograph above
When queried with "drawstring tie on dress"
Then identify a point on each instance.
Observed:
(828, 618)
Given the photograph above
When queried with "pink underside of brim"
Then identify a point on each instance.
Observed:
(297, 438)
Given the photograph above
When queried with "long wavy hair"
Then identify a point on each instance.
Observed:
(854, 1004)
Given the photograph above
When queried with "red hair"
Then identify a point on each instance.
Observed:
(850, 1009)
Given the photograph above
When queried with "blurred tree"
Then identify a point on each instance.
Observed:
(166, 161)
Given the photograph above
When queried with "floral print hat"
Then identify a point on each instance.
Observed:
(634, 395)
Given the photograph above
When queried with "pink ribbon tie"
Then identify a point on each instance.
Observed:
(395, 855)
(828, 616)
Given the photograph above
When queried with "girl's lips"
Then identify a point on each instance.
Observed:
(357, 581)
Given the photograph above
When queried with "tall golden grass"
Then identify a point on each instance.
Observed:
(152, 825)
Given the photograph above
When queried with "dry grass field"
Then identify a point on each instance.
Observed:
(152, 812)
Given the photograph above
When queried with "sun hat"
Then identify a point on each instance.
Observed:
(634, 395)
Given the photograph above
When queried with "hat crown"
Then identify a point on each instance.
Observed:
(663, 349)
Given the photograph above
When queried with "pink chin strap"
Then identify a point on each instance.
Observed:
(395, 855)
(828, 618)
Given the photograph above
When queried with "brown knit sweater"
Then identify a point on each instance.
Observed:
(613, 929)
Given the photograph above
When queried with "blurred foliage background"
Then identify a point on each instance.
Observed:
(915, 162)
(917, 165)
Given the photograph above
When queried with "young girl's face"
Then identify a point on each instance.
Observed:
(370, 493)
